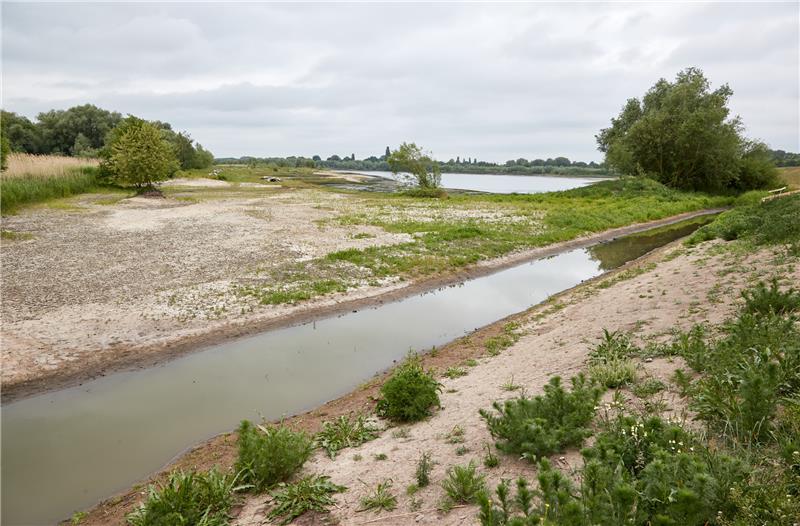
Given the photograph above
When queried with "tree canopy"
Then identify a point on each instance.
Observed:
(138, 155)
(681, 134)
(83, 131)
(414, 166)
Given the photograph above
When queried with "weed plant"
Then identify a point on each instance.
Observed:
(312, 493)
(424, 468)
(344, 432)
(610, 363)
(381, 498)
(197, 498)
(463, 484)
(270, 454)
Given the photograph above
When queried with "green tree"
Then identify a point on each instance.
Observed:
(202, 157)
(413, 166)
(137, 154)
(60, 128)
(680, 134)
(22, 134)
(5, 149)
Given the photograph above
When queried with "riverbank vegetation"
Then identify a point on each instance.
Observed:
(680, 134)
(36, 178)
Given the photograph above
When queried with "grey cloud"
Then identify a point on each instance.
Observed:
(492, 81)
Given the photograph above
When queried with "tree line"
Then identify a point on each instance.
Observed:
(85, 131)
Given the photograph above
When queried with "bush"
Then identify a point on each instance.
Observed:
(769, 223)
(270, 454)
(536, 427)
(201, 499)
(410, 393)
(344, 432)
(463, 484)
(311, 493)
(765, 300)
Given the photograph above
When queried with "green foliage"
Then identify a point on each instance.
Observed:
(137, 155)
(772, 222)
(200, 499)
(27, 189)
(21, 133)
(413, 166)
(410, 393)
(680, 135)
(765, 300)
(648, 387)
(312, 493)
(536, 427)
(455, 372)
(463, 484)
(84, 126)
(5, 149)
(270, 454)
(610, 362)
(424, 468)
(345, 432)
(381, 498)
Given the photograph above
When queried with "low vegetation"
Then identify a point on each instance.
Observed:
(645, 470)
(463, 484)
(381, 498)
(36, 178)
(312, 493)
(269, 454)
(610, 363)
(201, 499)
(410, 393)
(345, 432)
(536, 427)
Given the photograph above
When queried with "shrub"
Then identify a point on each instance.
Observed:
(270, 454)
(424, 468)
(381, 498)
(764, 300)
(201, 499)
(410, 393)
(463, 484)
(769, 223)
(311, 493)
(539, 426)
(344, 432)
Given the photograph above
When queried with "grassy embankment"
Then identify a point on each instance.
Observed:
(791, 176)
(739, 465)
(448, 234)
(37, 178)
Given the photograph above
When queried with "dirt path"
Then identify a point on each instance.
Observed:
(669, 289)
(106, 288)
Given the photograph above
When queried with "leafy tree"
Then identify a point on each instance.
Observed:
(387, 154)
(202, 157)
(4, 151)
(410, 159)
(138, 155)
(680, 134)
(83, 147)
(22, 134)
(334, 157)
(60, 128)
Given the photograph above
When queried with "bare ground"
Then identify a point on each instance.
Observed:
(100, 284)
(670, 289)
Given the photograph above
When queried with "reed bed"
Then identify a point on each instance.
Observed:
(24, 164)
(35, 178)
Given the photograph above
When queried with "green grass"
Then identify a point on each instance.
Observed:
(610, 363)
(449, 234)
(15, 236)
(28, 189)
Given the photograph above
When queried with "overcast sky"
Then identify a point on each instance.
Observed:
(482, 80)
